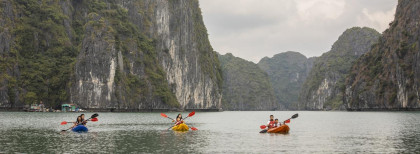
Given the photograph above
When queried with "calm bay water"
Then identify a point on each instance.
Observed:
(219, 132)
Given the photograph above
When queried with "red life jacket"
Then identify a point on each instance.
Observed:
(179, 122)
(276, 124)
(271, 124)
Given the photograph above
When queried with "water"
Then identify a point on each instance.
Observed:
(219, 132)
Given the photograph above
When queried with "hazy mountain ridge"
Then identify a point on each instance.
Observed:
(245, 85)
(287, 72)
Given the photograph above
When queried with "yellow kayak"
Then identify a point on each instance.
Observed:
(180, 127)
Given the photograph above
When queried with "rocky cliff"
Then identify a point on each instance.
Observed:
(129, 54)
(387, 77)
(287, 72)
(8, 64)
(245, 85)
(324, 86)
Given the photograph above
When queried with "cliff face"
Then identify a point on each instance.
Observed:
(245, 85)
(129, 54)
(287, 72)
(387, 77)
(8, 63)
(324, 86)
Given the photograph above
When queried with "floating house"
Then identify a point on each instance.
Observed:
(68, 108)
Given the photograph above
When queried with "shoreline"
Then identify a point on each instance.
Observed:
(3, 109)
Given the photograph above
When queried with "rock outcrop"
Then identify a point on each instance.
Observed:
(287, 72)
(245, 85)
(8, 64)
(324, 87)
(129, 54)
(387, 77)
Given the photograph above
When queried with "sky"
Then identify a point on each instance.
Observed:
(253, 29)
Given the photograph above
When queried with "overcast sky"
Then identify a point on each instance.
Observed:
(253, 29)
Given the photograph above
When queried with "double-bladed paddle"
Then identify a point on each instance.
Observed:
(66, 122)
(285, 121)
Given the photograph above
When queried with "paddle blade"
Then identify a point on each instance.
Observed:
(163, 115)
(191, 114)
(263, 126)
(94, 119)
(295, 116)
(94, 115)
(64, 123)
(287, 121)
(193, 128)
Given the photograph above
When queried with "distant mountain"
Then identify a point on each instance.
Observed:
(388, 76)
(325, 84)
(287, 72)
(245, 85)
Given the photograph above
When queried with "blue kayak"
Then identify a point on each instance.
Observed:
(80, 128)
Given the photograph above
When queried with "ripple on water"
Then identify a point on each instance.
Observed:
(219, 132)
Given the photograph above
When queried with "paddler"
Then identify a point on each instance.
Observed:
(178, 120)
(83, 119)
(79, 121)
(276, 123)
(270, 123)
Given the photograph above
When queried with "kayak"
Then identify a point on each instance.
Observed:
(180, 127)
(282, 129)
(80, 128)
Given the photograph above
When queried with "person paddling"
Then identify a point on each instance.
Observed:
(80, 120)
(178, 120)
(83, 119)
(270, 123)
(276, 123)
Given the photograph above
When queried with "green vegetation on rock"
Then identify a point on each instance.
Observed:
(325, 84)
(47, 39)
(287, 72)
(246, 86)
(387, 78)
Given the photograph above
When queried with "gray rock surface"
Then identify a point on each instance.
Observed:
(324, 87)
(387, 77)
(128, 54)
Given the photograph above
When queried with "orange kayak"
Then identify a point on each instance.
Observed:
(282, 129)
